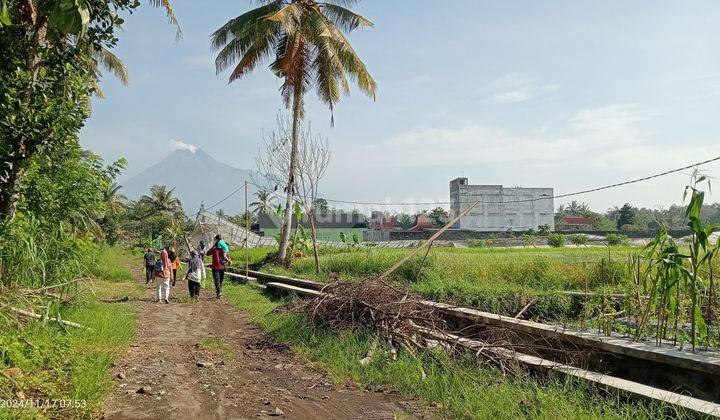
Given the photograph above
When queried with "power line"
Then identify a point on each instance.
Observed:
(428, 203)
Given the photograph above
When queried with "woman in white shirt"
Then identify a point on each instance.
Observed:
(194, 274)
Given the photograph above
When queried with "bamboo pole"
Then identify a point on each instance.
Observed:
(36, 316)
(437, 234)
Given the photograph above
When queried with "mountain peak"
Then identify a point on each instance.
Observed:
(196, 176)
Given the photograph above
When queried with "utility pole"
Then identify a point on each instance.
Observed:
(246, 216)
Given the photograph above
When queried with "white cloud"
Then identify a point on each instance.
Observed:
(180, 145)
(514, 88)
(597, 138)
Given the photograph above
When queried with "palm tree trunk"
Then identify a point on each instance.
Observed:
(287, 226)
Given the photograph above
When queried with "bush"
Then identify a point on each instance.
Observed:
(579, 239)
(528, 239)
(615, 239)
(476, 243)
(556, 240)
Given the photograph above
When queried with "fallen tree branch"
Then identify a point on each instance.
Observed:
(37, 316)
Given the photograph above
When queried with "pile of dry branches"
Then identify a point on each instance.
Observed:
(373, 303)
(403, 318)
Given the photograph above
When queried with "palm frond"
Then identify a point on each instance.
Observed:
(343, 18)
(242, 24)
(170, 13)
(252, 56)
(289, 16)
(344, 3)
(353, 64)
(111, 63)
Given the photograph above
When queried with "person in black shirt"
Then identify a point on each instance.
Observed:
(149, 259)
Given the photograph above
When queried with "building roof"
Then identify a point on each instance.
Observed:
(422, 222)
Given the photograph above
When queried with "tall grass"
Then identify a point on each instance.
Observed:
(106, 263)
(34, 255)
(69, 363)
(491, 279)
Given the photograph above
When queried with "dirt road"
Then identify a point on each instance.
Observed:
(207, 359)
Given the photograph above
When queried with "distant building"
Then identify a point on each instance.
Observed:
(501, 208)
(575, 223)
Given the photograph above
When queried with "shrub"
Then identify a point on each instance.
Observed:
(615, 239)
(579, 239)
(528, 240)
(556, 240)
(476, 243)
(543, 229)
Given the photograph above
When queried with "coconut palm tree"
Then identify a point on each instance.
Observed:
(113, 199)
(307, 41)
(264, 204)
(160, 201)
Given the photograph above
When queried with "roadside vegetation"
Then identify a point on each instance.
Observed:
(67, 366)
(460, 388)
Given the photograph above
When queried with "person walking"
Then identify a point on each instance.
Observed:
(174, 262)
(220, 243)
(219, 261)
(149, 259)
(163, 273)
(194, 274)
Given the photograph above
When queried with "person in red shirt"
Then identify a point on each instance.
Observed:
(219, 260)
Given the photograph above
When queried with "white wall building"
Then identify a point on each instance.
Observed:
(501, 208)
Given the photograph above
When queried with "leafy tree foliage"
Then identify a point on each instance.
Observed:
(439, 217)
(405, 220)
(626, 216)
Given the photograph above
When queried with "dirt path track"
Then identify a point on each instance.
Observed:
(248, 377)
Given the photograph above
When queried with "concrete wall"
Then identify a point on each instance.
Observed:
(501, 208)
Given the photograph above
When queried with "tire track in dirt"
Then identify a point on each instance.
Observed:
(248, 377)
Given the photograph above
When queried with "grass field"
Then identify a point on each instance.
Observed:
(499, 280)
(70, 364)
(460, 389)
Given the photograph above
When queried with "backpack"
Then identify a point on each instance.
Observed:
(159, 266)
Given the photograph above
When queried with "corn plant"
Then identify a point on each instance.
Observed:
(663, 275)
(701, 253)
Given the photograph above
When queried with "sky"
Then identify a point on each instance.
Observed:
(565, 94)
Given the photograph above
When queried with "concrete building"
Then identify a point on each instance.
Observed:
(501, 208)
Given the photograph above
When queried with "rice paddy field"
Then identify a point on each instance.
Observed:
(499, 280)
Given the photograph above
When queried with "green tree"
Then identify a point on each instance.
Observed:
(264, 203)
(306, 37)
(51, 51)
(405, 220)
(245, 220)
(626, 216)
(160, 202)
(321, 206)
(439, 217)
